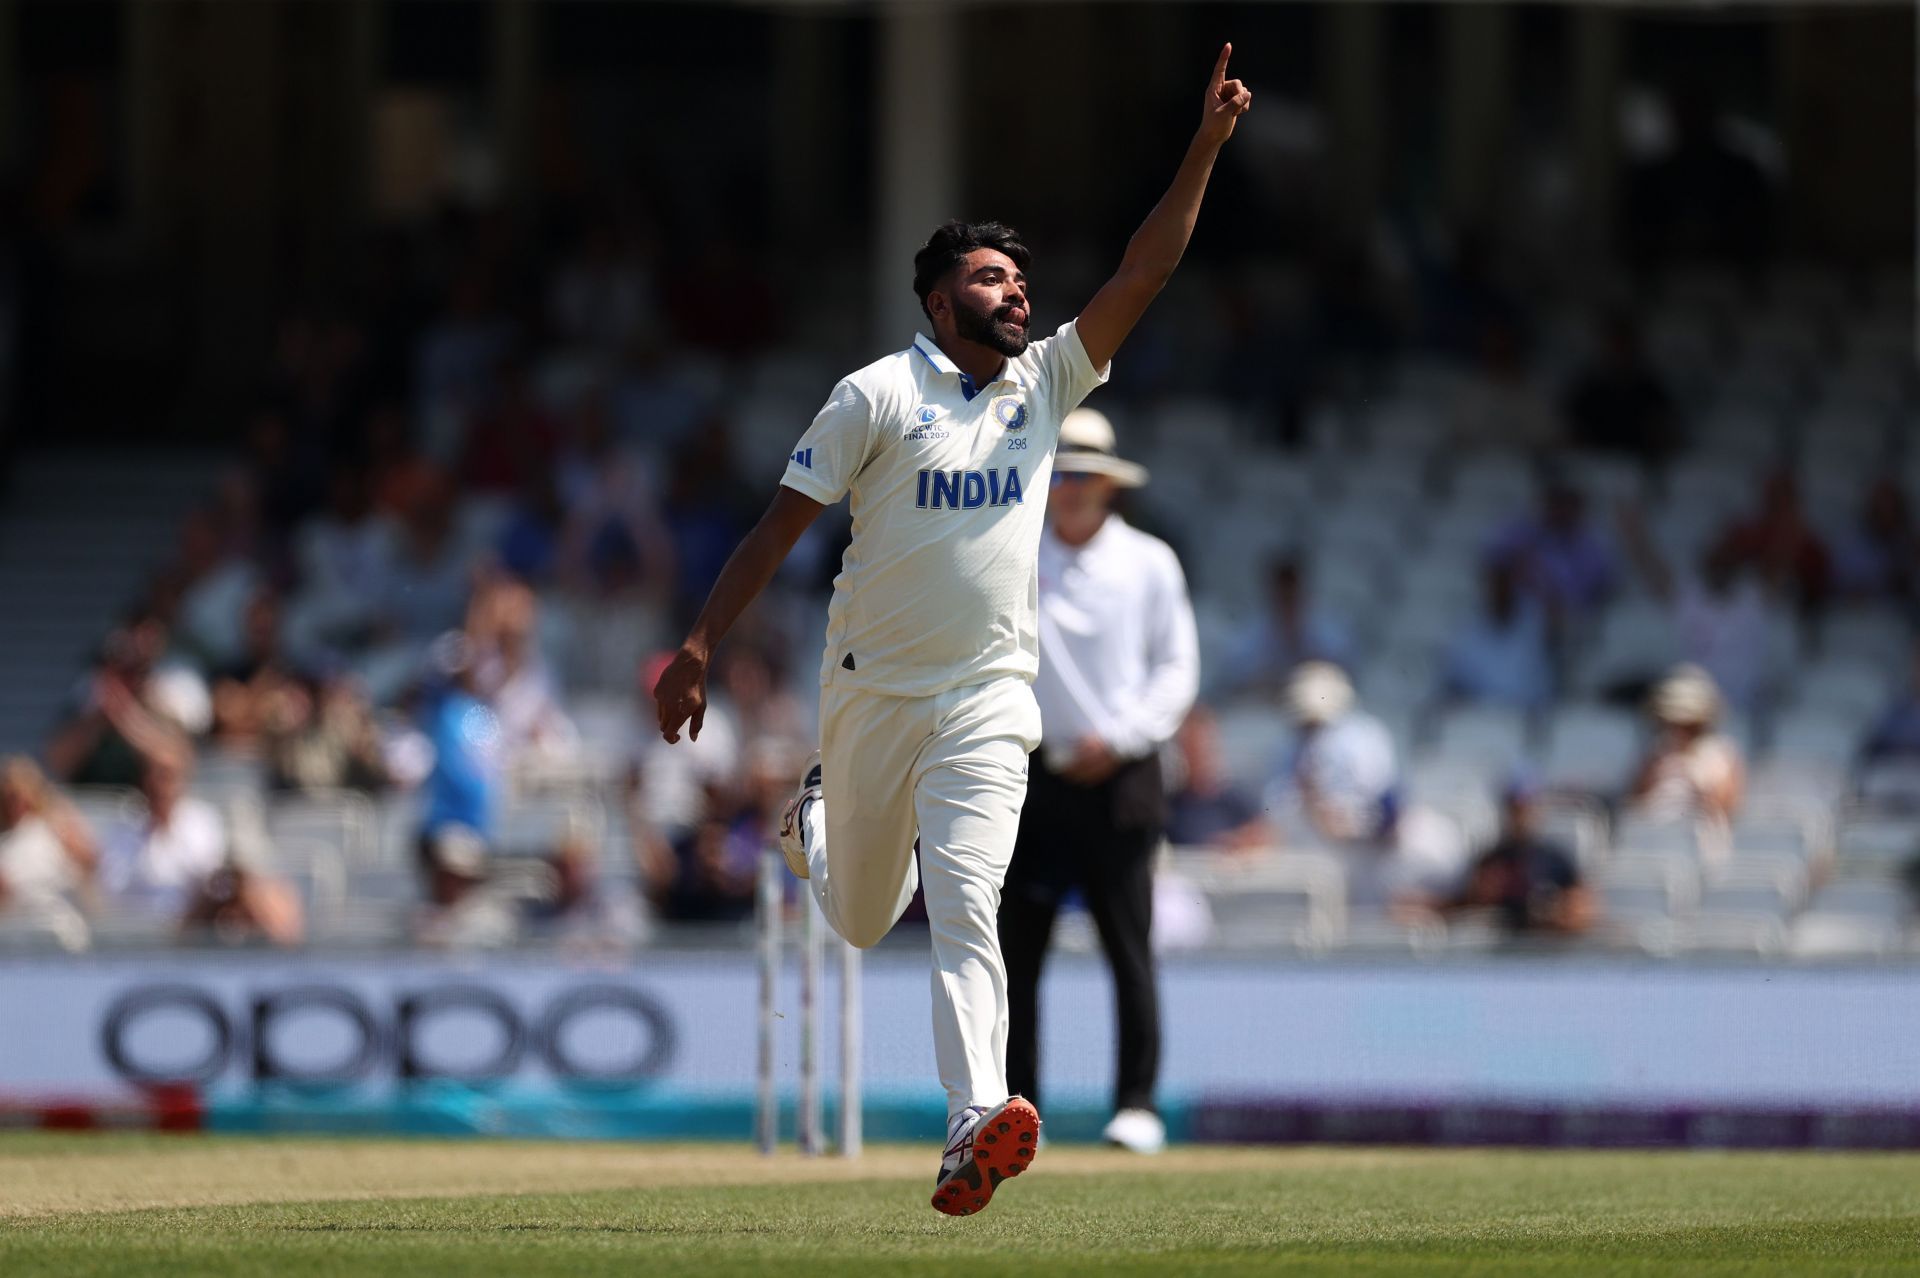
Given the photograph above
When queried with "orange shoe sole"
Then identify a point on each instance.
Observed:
(1003, 1146)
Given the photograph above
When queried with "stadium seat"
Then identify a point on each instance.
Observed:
(1871, 635)
(538, 826)
(1892, 786)
(1591, 748)
(1761, 935)
(1461, 790)
(1491, 738)
(1637, 836)
(1637, 639)
(1765, 837)
(1493, 482)
(1819, 935)
(1253, 741)
(1293, 900)
(1878, 839)
(1843, 690)
(342, 819)
(1808, 736)
(1882, 899)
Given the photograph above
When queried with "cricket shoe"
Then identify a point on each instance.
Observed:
(793, 830)
(985, 1147)
(1139, 1130)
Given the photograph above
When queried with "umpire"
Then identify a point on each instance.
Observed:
(1119, 666)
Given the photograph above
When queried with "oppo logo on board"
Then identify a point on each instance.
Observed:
(327, 1035)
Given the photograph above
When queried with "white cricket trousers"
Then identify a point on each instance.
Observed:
(954, 768)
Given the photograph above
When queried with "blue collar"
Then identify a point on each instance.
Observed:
(928, 350)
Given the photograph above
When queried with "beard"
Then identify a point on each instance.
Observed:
(991, 329)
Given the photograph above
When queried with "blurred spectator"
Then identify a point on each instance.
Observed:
(512, 435)
(511, 676)
(1206, 809)
(655, 408)
(671, 790)
(214, 579)
(1464, 300)
(1562, 558)
(320, 734)
(342, 557)
(604, 293)
(463, 787)
(1879, 557)
(455, 364)
(281, 475)
(1691, 772)
(1720, 614)
(1533, 881)
(715, 868)
(721, 300)
(1343, 780)
(1617, 403)
(108, 738)
(1896, 734)
(1779, 543)
(760, 697)
(244, 688)
(706, 511)
(180, 865)
(47, 853)
(1497, 406)
(431, 573)
(529, 543)
(1500, 656)
(1293, 629)
(614, 541)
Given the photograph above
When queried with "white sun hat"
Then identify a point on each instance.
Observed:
(1087, 447)
(1318, 692)
(1687, 697)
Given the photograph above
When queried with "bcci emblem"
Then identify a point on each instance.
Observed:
(1010, 413)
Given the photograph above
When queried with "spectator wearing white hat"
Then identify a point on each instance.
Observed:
(1119, 668)
(1692, 771)
(1340, 786)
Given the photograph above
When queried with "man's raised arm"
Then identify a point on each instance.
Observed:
(681, 694)
(1156, 247)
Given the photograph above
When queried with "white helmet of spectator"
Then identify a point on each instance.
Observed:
(1686, 698)
(1318, 692)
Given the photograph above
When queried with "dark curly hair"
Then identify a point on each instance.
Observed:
(951, 242)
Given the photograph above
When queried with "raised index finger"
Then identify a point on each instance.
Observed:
(1220, 67)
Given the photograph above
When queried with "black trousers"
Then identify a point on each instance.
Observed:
(1100, 839)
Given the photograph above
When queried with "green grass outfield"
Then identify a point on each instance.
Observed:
(107, 1204)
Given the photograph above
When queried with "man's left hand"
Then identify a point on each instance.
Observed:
(1093, 762)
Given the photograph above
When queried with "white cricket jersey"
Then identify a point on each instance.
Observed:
(949, 485)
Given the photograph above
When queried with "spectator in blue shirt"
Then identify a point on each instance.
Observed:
(1532, 881)
(462, 790)
(1500, 657)
(1563, 560)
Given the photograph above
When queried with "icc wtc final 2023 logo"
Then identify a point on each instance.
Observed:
(1009, 412)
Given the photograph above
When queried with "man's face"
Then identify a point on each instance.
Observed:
(1078, 498)
(985, 298)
